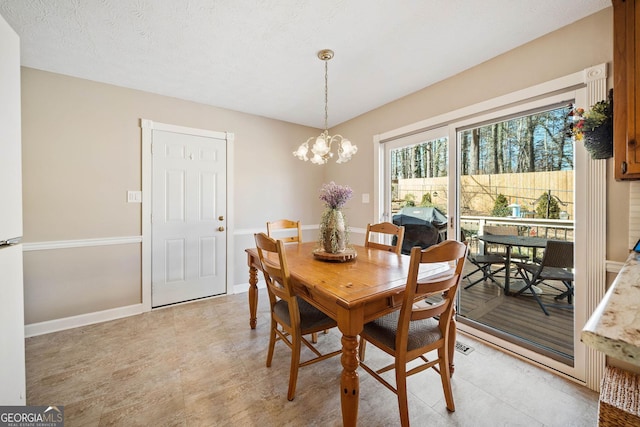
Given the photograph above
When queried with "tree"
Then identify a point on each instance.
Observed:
(426, 200)
(531, 143)
(547, 207)
(500, 206)
(409, 200)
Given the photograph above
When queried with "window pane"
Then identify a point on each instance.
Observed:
(517, 179)
(419, 175)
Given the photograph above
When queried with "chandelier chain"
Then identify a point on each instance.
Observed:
(318, 149)
(326, 95)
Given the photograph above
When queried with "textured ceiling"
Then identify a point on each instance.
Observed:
(259, 56)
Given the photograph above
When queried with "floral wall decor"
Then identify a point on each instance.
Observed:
(594, 127)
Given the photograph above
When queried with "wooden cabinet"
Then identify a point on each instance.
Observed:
(626, 105)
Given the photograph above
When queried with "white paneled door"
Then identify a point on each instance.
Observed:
(12, 357)
(188, 217)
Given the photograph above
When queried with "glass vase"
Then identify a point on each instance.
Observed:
(333, 231)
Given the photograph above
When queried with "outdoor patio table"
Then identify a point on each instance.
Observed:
(509, 242)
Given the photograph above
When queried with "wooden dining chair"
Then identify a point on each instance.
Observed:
(291, 317)
(285, 224)
(420, 327)
(556, 265)
(385, 228)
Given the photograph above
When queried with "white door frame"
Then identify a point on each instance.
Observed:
(147, 130)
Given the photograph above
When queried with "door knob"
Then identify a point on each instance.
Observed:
(220, 228)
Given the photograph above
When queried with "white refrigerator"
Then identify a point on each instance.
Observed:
(12, 358)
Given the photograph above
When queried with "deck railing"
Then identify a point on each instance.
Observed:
(560, 229)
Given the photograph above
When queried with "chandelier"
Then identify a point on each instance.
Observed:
(321, 148)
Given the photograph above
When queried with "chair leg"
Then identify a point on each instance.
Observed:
(484, 277)
(539, 302)
(487, 274)
(401, 391)
(361, 348)
(530, 282)
(272, 342)
(568, 293)
(295, 363)
(529, 287)
(445, 378)
(314, 337)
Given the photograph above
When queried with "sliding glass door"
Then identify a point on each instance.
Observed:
(517, 179)
(510, 169)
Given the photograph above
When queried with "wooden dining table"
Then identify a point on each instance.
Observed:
(353, 293)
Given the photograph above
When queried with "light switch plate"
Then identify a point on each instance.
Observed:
(365, 197)
(134, 196)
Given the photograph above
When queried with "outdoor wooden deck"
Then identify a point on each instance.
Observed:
(520, 319)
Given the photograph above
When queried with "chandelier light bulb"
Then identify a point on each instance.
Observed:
(302, 151)
(318, 160)
(346, 151)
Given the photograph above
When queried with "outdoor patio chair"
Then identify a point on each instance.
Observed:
(483, 264)
(556, 265)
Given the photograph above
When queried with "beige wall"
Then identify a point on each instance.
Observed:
(81, 147)
(573, 48)
(82, 152)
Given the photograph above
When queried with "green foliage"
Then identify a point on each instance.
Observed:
(500, 206)
(409, 200)
(552, 204)
(598, 114)
(426, 200)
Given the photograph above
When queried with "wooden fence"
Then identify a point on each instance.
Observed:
(478, 192)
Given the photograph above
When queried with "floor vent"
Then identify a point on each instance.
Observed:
(463, 348)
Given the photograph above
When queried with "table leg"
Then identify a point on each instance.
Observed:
(507, 271)
(350, 322)
(349, 381)
(253, 297)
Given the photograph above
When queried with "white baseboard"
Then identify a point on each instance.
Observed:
(244, 287)
(41, 328)
(49, 326)
(613, 266)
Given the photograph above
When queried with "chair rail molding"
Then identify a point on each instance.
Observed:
(80, 243)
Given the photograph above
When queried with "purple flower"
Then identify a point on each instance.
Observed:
(335, 196)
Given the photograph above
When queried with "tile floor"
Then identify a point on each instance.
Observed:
(199, 364)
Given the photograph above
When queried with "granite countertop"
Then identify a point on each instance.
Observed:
(614, 326)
